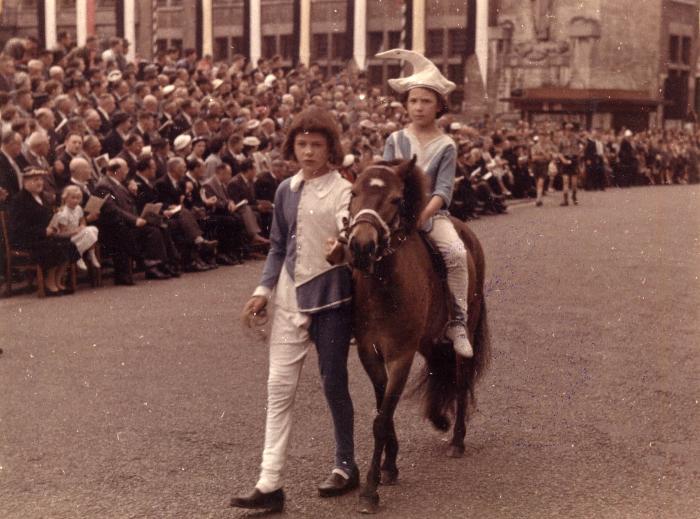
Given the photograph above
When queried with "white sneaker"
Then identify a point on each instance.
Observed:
(81, 264)
(457, 333)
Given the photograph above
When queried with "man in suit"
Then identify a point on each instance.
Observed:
(145, 127)
(11, 165)
(266, 184)
(114, 142)
(242, 188)
(182, 122)
(131, 152)
(72, 147)
(182, 222)
(593, 156)
(106, 106)
(124, 231)
(36, 156)
(92, 148)
(227, 220)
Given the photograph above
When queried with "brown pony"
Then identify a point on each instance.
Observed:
(401, 306)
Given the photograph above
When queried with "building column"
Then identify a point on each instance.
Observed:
(255, 22)
(130, 28)
(49, 23)
(207, 28)
(305, 32)
(359, 34)
(482, 36)
(418, 26)
(81, 22)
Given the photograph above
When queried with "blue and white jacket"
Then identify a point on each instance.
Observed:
(437, 159)
(306, 214)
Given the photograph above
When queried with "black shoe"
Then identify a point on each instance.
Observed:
(196, 266)
(156, 273)
(207, 245)
(124, 280)
(223, 259)
(337, 485)
(270, 501)
(170, 270)
(538, 203)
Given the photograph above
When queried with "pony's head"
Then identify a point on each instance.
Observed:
(386, 197)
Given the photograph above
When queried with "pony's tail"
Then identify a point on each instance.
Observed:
(440, 384)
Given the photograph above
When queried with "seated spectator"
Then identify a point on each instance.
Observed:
(242, 187)
(183, 224)
(73, 146)
(30, 229)
(124, 232)
(71, 223)
(11, 165)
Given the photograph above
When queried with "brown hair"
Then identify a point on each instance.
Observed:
(443, 107)
(315, 120)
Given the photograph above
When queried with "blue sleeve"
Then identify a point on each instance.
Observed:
(278, 243)
(390, 148)
(445, 175)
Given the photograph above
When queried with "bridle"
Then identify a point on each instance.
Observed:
(389, 234)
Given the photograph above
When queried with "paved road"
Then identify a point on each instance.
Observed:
(149, 401)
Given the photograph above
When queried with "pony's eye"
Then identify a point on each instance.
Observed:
(353, 194)
(396, 200)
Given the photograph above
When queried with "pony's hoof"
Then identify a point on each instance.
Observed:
(390, 477)
(369, 505)
(455, 452)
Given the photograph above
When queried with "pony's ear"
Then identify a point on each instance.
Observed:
(406, 167)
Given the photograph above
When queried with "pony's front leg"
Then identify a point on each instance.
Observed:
(456, 449)
(383, 428)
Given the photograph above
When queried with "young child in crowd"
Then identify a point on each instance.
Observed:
(70, 220)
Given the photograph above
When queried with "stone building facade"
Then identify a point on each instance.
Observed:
(605, 63)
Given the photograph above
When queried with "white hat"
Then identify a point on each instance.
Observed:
(217, 83)
(366, 123)
(628, 133)
(251, 140)
(425, 73)
(348, 160)
(270, 79)
(168, 89)
(455, 126)
(181, 142)
(114, 76)
(395, 104)
(252, 124)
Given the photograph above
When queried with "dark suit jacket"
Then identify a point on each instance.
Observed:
(194, 198)
(266, 186)
(238, 189)
(120, 206)
(130, 162)
(213, 187)
(106, 125)
(9, 180)
(180, 126)
(167, 193)
(147, 193)
(113, 144)
(28, 221)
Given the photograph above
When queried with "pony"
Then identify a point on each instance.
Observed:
(401, 307)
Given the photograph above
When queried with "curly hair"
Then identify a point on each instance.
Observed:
(315, 120)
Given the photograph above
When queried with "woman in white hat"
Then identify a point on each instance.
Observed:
(425, 97)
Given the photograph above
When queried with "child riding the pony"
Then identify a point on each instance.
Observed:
(425, 97)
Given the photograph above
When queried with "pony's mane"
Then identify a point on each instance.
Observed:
(414, 197)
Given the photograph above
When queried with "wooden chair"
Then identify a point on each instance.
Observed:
(18, 260)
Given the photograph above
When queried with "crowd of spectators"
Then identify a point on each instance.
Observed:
(177, 160)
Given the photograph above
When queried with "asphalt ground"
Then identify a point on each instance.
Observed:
(149, 401)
